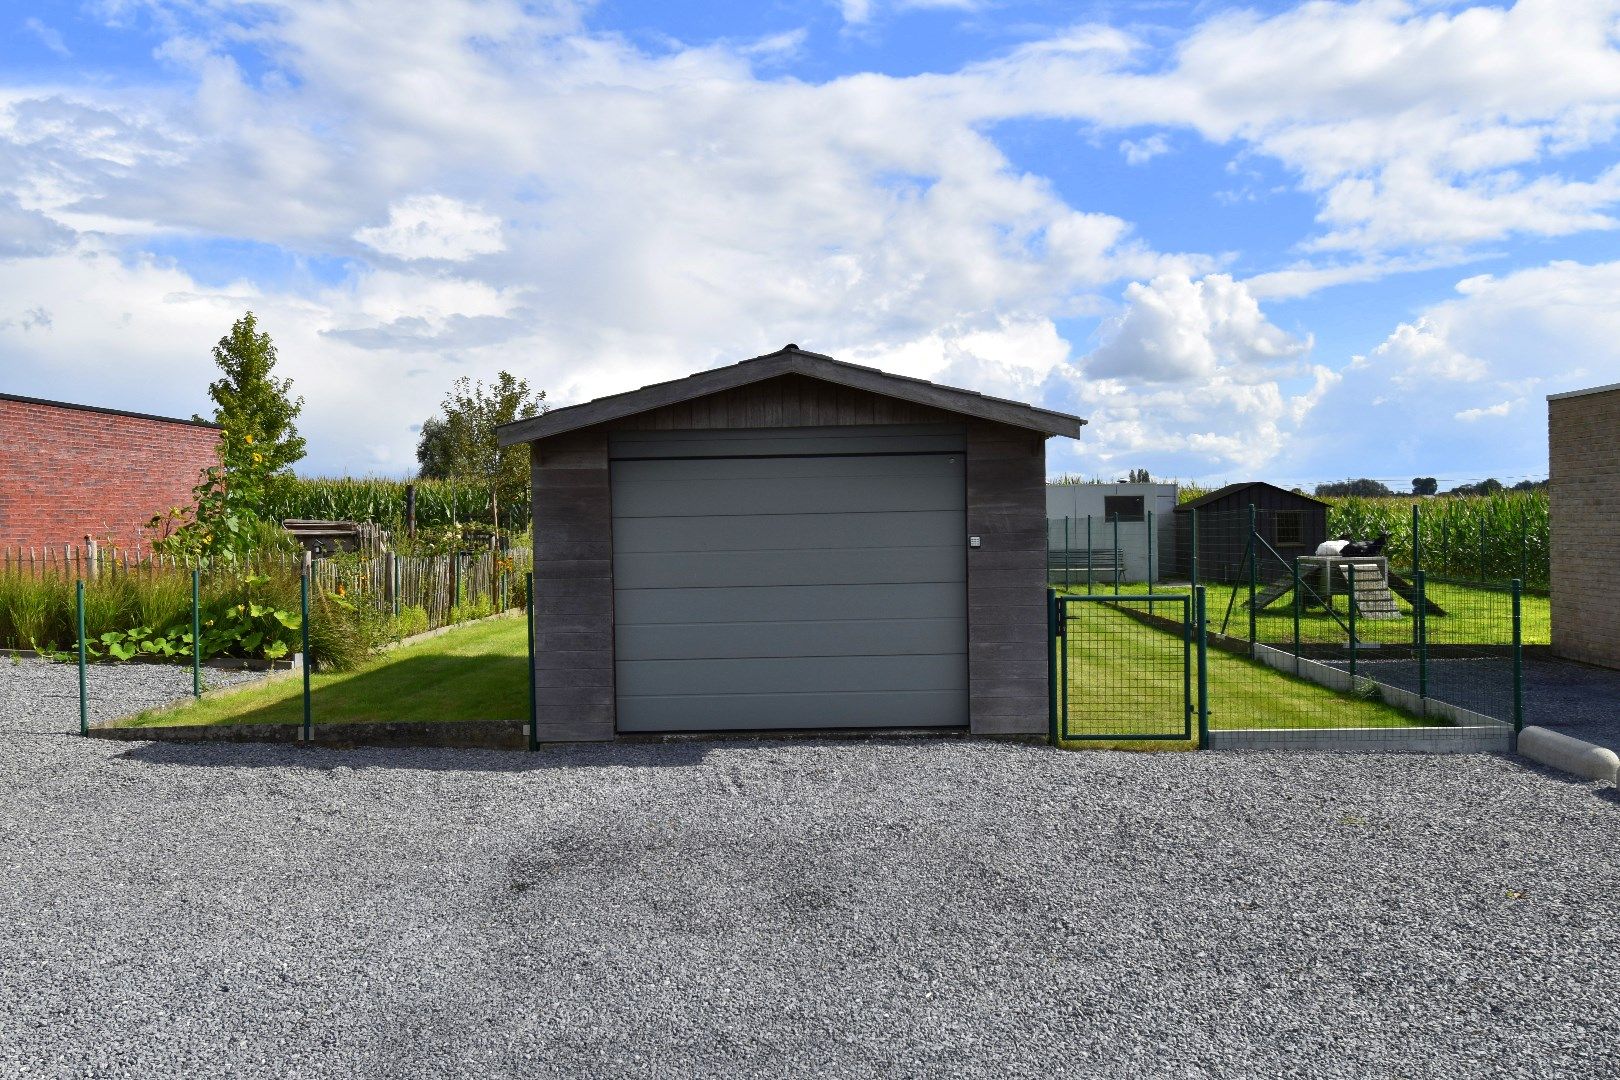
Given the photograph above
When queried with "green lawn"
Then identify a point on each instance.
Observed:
(1126, 678)
(1473, 615)
(473, 672)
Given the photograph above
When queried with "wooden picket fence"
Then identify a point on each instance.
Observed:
(437, 583)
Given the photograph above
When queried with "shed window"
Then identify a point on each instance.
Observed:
(1290, 528)
(1125, 507)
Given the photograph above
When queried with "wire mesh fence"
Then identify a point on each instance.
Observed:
(1361, 645)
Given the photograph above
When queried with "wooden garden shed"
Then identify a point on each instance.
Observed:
(1291, 523)
(790, 542)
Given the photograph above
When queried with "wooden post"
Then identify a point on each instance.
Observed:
(410, 511)
(90, 555)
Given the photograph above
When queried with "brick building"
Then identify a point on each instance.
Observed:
(68, 472)
(1583, 436)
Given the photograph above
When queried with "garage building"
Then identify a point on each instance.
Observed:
(791, 542)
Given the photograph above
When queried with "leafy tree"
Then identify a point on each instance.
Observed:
(459, 443)
(1366, 489)
(1425, 485)
(1140, 476)
(254, 407)
(1489, 486)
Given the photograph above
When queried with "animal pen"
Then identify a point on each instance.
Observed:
(1285, 648)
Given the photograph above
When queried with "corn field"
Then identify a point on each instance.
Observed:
(439, 503)
(1477, 538)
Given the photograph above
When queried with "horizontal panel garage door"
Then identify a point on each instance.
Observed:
(803, 590)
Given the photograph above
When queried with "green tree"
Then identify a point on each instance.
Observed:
(254, 407)
(1140, 476)
(1366, 489)
(1425, 485)
(459, 443)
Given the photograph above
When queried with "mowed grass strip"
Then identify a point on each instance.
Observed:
(1474, 615)
(473, 672)
(1125, 678)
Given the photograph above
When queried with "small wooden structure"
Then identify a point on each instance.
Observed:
(1288, 523)
(322, 538)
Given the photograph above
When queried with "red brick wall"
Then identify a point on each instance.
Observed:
(67, 473)
(1584, 459)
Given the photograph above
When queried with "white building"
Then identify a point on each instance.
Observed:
(1081, 518)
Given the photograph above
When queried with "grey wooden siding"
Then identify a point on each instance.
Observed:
(1006, 509)
(788, 401)
(573, 587)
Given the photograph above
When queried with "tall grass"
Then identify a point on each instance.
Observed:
(439, 503)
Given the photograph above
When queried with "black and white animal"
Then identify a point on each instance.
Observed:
(1349, 547)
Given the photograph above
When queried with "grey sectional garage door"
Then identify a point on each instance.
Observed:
(800, 578)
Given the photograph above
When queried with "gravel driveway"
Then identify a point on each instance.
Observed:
(742, 908)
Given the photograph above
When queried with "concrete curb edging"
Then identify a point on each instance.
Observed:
(453, 734)
(1568, 754)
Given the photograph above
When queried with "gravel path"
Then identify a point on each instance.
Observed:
(38, 696)
(742, 908)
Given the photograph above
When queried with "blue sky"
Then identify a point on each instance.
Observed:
(1284, 241)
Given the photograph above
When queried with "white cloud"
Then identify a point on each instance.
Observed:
(1501, 408)
(1422, 354)
(1175, 329)
(434, 227)
(1142, 151)
(1193, 378)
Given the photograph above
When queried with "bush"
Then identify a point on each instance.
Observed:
(411, 620)
(344, 633)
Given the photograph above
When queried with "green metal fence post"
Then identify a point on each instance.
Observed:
(1296, 616)
(1193, 569)
(1066, 552)
(1089, 554)
(1518, 658)
(1051, 666)
(1254, 573)
(1118, 554)
(1199, 614)
(1421, 584)
(84, 698)
(1147, 571)
(303, 627)
(1350, 604)
(1417, 540)
(534, 705)
(196, 633)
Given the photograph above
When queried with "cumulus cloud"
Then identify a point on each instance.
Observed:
(434, 227)
(1193, 377)
(1421, 353)
(1176, 329)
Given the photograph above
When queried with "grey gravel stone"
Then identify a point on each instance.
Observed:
(787, 908)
